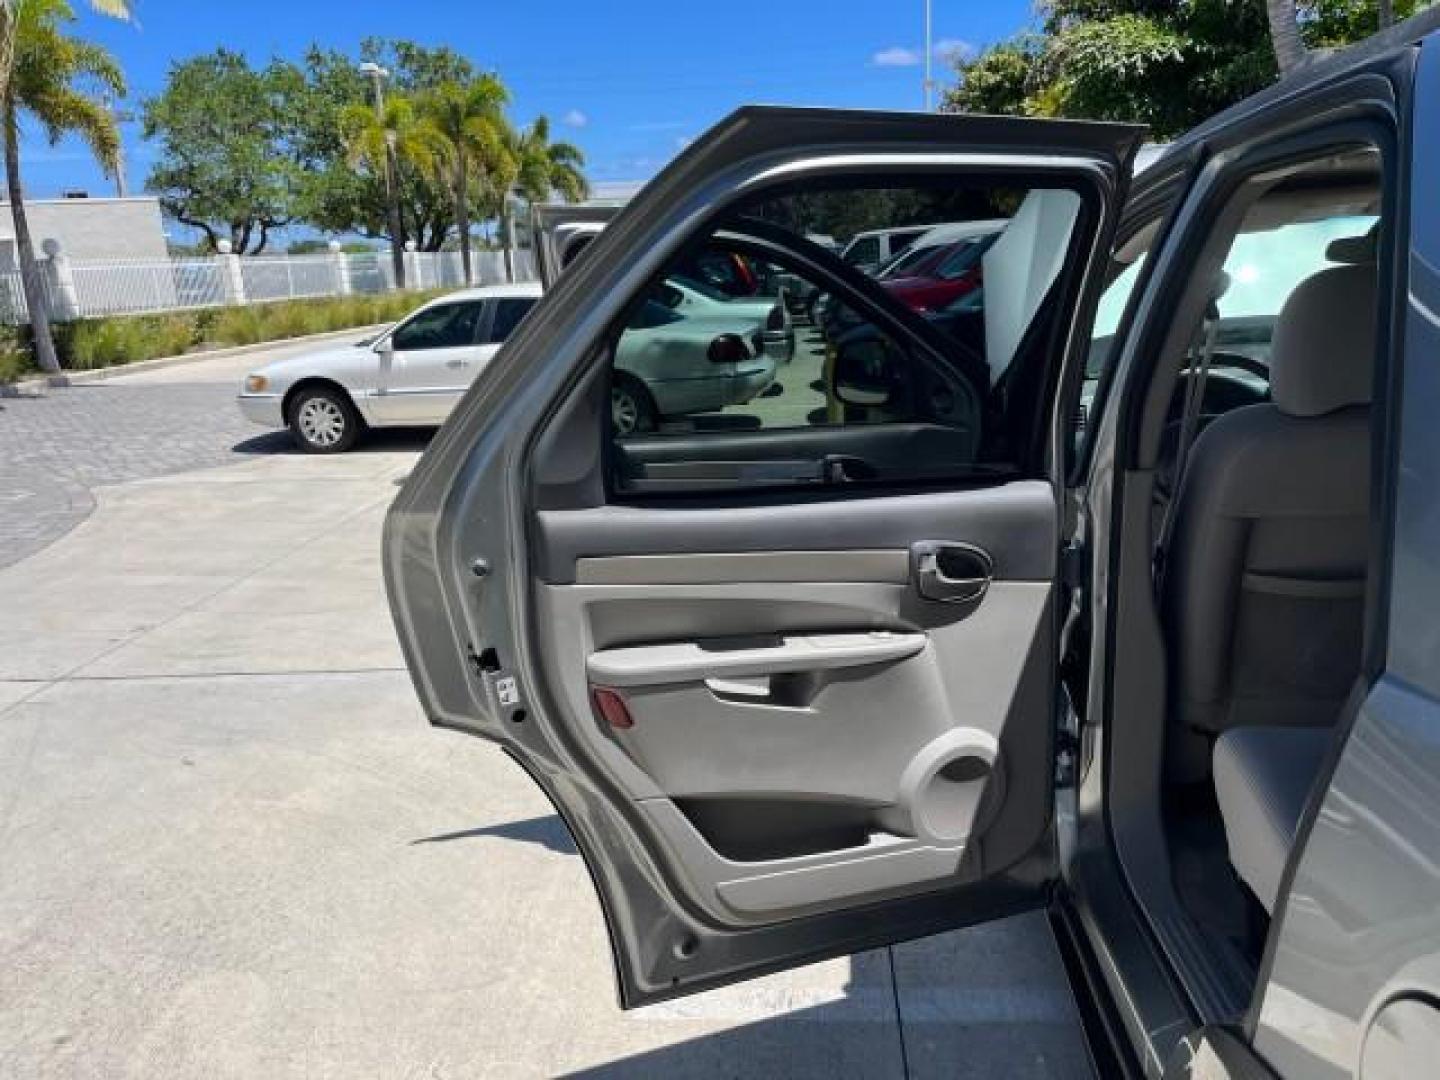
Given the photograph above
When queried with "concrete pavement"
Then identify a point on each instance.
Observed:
(231, 847)
(57, 446)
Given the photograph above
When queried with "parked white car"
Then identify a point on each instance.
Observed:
(411, 375)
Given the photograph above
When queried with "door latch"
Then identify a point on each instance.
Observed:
(949, 571)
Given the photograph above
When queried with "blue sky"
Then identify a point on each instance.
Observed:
(630, 81)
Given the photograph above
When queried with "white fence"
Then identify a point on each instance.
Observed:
(82, 290)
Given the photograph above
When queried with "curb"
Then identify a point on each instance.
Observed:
(79, 378)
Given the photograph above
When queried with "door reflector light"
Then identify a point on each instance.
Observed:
(611, 707)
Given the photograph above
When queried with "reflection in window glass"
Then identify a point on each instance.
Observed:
(441, 327)
(756, 328)
(509, 310)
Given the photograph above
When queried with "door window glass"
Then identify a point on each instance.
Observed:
(946, 367)
(440, 327)
(509, 310)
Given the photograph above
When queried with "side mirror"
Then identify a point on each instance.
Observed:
(864, 373)
(729, 349)
(385, 348)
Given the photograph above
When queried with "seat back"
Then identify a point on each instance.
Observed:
(1265, 579)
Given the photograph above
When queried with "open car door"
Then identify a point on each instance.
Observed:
(784, 659)
(561, 231)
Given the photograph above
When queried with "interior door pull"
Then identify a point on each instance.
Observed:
(731, 658)
(949, 571)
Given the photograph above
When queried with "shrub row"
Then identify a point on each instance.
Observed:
(87, 344)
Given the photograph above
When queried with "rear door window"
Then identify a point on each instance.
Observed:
(509, 310)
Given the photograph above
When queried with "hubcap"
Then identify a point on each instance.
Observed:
(624, 411)
(321, 421)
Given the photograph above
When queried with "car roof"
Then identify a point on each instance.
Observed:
(489, 292)
(890, 231)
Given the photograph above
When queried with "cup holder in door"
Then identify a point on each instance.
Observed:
(953, 788)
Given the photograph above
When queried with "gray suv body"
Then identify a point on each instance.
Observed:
(1139, 630)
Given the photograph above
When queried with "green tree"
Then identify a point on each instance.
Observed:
(9, 13)
(226, 163)
(395, 137)
(1166, 63)
(469, 117)
(336, 198)
(47, 78)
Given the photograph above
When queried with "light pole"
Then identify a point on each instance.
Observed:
(929, 55)
(120, 116)
(377, 76)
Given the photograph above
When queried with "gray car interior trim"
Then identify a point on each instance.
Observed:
(716, 567)
(729, 658)
(1013, 522)
(911, 739)
(1263, 775)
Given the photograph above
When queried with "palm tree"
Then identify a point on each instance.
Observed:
(535, 169)
(43, 71)
(116, 9)
(1285, 34)
(385, 139)
(469, 117)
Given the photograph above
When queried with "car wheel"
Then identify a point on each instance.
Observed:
(631, 409)
(324, 421)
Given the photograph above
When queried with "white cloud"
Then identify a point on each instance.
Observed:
(682, 141)
(953, 49)
(896, 56)
(575, 118)
(946, 50)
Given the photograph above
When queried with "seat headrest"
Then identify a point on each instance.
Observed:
(1355, 250)
(1322, 354)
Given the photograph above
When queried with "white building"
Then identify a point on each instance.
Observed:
(89, 228)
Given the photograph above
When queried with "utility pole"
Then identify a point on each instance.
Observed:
(929, 56)
(377, 76)
(120, 116)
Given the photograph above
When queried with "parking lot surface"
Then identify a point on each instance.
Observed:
(233, 848)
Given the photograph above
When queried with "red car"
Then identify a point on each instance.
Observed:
(939, 279)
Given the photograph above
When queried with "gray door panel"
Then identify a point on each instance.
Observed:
(1013, 522)
(830, 707)
(812, 757)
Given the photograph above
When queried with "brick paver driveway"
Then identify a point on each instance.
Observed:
(57, 446)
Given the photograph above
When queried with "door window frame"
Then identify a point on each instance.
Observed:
(1097, 204)
(1187, 241)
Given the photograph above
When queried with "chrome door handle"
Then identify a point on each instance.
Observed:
(949, 571)
(457, 363)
